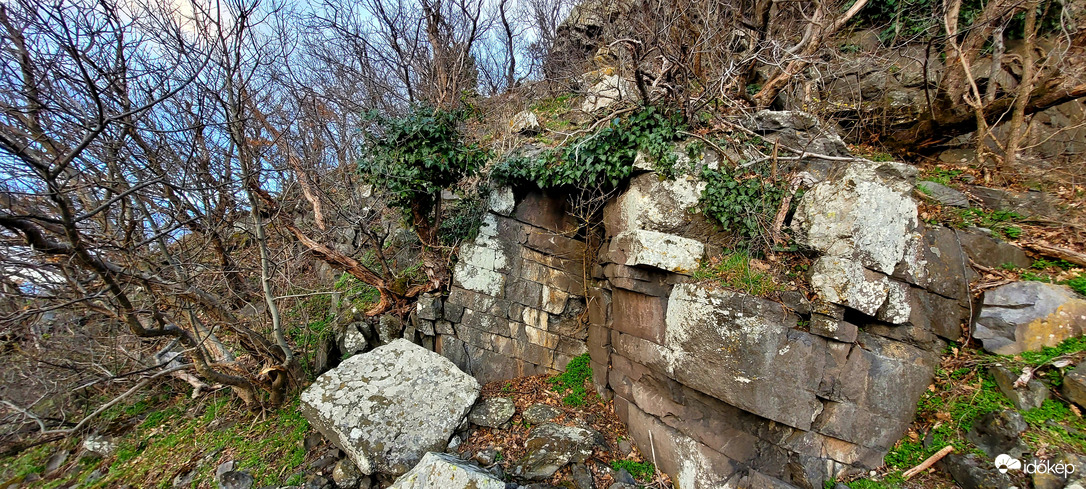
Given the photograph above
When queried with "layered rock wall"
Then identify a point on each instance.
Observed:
(727, 389)
(517, 298)
(720, 388)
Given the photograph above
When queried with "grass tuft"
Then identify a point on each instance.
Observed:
(734, 271)
(167, 442)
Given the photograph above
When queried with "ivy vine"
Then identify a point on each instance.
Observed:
(740, 203)
(415, 156)
(599, 160)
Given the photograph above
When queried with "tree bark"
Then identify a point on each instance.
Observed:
(1015, 131)
(1058, 78)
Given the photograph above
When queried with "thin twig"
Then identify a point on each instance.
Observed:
(710, 143)
(102, 408)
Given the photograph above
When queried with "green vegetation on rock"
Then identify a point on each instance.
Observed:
(177, 437)
(733, 270)
(572, 381)
(1066, 347)
(1055, 424)
(642, 471)
(1078, 284)
(416, 156)
(600, 160)
(741, 203)
(1047, 269)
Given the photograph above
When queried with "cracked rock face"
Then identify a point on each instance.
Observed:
(655, 205)
(388, 407)
(606, 93)
(552, 446)
(445, 471)
(668, 252)
(863, 215)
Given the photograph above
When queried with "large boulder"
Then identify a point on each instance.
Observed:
(606, 93)
(877, 257)
(798, 130)
(990, 252)
(1027, 204)
(446, 471)
(388, 407)
(526, 123)
(726, 344)
(654, 204)
(1074, 385)
(844, 281)
(1024, 316)
(863, 215)
(943, 194)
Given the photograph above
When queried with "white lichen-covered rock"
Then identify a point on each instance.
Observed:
(446, 471)
(659, 250)
(388, 407)
(864, 214)
(100, 445)
(502, 201)
(482, 261)
(525, 122)
(743, 350)
(653, 204)
(1024, 316)
(844, 281)
(353, 341)
(492, 412)
(606, 93)
(800, 130)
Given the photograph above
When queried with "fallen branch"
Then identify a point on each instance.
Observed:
(983, 268)
(79, 426)
(1057, 252)
(802, 153)
(928, 462)
(786, 203)
(991, 285)
(595, 125)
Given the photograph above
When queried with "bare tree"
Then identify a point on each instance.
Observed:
(84, 78)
